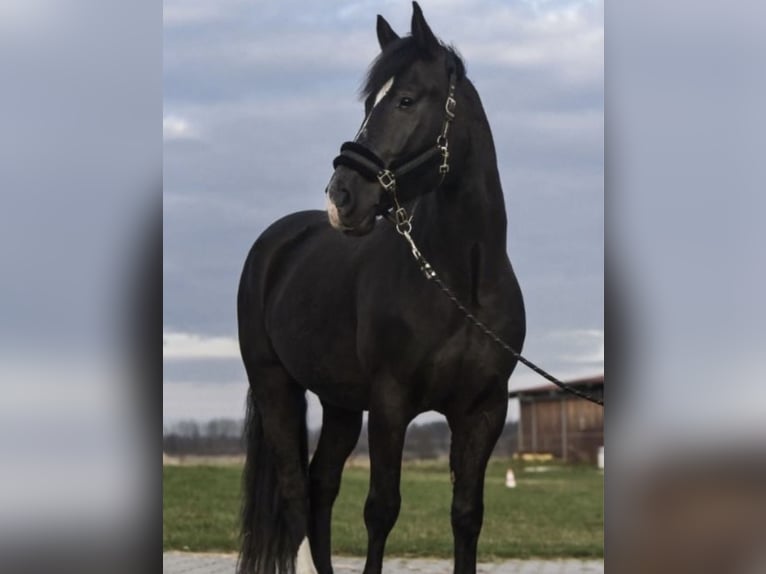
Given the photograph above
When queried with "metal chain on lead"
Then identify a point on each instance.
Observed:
(430, 274)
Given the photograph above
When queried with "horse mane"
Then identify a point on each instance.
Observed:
(400, 54)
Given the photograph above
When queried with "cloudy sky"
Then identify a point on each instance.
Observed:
(257, 99)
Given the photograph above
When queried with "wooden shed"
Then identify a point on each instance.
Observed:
(552, 421)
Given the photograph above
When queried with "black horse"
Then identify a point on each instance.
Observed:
(341, 308)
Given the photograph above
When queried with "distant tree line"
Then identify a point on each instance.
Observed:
(224, 437)
(213, 438)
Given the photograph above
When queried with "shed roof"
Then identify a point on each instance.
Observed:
(594, 381)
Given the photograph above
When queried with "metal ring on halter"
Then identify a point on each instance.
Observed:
(403, 222)
(387, 179)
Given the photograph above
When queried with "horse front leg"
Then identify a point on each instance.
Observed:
(340, 432)
(387, 425)
(474, 435)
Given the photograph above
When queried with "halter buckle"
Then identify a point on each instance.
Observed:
(387, 180)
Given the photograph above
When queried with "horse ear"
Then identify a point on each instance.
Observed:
(420, 30)
(386, 34)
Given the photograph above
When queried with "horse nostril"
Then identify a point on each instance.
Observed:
(340, 196)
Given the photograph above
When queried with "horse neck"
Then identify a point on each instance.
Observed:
(470, 207)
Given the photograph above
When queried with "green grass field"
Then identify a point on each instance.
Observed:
(553, 514)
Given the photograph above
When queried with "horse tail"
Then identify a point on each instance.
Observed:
(267, 542)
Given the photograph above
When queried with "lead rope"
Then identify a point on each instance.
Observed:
(403, 225)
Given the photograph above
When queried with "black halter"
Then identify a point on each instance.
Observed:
(370, 166)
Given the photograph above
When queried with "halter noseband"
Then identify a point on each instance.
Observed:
(370, 166)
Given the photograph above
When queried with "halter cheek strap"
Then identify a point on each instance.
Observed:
(370, 166)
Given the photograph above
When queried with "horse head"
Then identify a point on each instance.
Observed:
(402, 148)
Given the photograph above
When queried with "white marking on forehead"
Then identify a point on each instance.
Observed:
(379, 96)
(383, 91)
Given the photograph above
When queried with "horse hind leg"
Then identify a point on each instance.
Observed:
(340, 433)
(275, 507)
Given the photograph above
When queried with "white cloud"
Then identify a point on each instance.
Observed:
(567, 40)
(177, 345)
(581, 346)
(563, 39)
(525, 378)
(191, 12)
(203, 400)
(35, 17)
(177, 128)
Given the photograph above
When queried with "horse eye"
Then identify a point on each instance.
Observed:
(406, 102)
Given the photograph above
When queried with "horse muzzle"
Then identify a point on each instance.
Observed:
(347, 210)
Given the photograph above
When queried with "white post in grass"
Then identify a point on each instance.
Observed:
(510, 479)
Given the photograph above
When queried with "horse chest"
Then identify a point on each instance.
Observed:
(461, 361)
